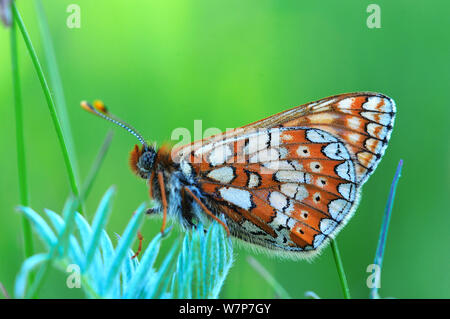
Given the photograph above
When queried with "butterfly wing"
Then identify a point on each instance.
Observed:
(363, 121)
(291, 181)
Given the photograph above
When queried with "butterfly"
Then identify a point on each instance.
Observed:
(286, 184)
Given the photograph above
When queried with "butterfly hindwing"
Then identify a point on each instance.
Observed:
(291, 181)
(284, 200)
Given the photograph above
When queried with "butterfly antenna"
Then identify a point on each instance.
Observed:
(100, 110)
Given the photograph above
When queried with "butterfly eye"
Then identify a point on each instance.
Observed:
(146, 160)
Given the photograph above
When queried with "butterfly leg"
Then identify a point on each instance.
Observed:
(207, 211)
(141, 238)
(163, 199)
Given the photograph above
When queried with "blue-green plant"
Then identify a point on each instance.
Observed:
(384, 230)
(197, 269)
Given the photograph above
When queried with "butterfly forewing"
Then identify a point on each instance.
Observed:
(363, 121)
(291, 181)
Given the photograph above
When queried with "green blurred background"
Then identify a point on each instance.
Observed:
(161, 65)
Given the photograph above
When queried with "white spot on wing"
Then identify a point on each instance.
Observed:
(324, 118)
(220, 155)
(315, 167)
(283, 152)
(346, 103)
(338, 208)
(336, 151)
(327, 225)
(238, 197)
(347, 190)
(354, 122)
(293, 177)
(256, 143)
(346, 171)
(265, 156)
(223, 175)
(283, 165)
(318, 239)
(382, 118)
(373, 102)
(303, 151)
(324, 103)
(319, 136)
(295, 191)
(253, 180)
(373, 145)
(277, 200)
(354, 138)
(372, 129)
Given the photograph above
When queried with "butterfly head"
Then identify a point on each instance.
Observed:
(142, 159)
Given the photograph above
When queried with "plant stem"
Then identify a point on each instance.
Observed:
(56, 82)
(93, 172)
(20, 145)
(279, 289)
(340, 269)
(49, 99)
(384, 229)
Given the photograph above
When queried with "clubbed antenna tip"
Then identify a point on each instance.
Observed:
(98, 108)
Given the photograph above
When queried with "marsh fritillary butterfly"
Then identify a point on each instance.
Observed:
(286, 184)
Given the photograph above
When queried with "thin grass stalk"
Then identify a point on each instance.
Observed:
(20, 145)
(48, 97)
(340, 269)
(95, 168)
(384, 229)
(277, 287)
(56, 83)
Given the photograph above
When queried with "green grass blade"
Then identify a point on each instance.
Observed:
(95, 168)
(49, 99)
(20, 145)
(56, 83)
(340, 269)
(277, 287)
